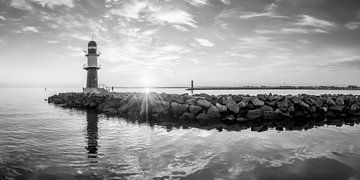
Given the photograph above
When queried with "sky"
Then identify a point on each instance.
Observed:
(171, 42)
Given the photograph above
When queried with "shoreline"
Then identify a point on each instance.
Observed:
(204, 108)
(275, 88)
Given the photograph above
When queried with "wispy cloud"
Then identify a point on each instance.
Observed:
(302, 30)
(156, 13)
(21, 4)
(307, 20)
(180, 28)
(173, 16)
(198, 2)
(30, 29)
(76, 49)
(204, 42)
(53, 3)
(227, 2)
(269, 11)
(2, 18)
(26, 4)
(352, 25)
(52, 42)
(131, 9)
(265, 14)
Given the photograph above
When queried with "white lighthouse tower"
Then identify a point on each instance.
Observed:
(92, 67)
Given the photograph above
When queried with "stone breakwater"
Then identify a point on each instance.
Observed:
(204, 108)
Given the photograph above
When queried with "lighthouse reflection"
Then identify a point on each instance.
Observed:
(92, 136)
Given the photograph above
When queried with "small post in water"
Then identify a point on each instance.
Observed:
(192, 87)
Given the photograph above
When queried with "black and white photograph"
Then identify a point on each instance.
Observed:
(180, 89)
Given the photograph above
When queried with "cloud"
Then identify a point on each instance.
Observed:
(296, 30)
(2, 18)
(173, 16)
(26, 5)
(264, 31)
(52, 3)
(131, 9)
(266, 14)
(149, 32)
(204, 42)
(52, 42)
(306, 20)
(269, 12)
(180, 28)
(227, 2)
(156, 13)
(352, 25)
(76, 49)
(198, 2)
(290, 30)
(20, 4)
(30, 29)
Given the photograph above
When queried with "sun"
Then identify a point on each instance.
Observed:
(147, 90)
(147, 81)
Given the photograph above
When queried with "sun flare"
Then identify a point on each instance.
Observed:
(147, 81)
(147, 90)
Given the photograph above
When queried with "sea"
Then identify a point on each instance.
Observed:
(43, 141)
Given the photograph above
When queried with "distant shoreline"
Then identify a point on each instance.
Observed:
(278, 87)
(251, 88)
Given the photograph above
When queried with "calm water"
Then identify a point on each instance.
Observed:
(42, 141)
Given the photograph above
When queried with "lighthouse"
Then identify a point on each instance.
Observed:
(92, 67)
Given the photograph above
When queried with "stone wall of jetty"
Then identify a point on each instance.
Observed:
(203, 107)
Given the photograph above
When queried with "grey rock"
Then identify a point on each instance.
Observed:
(202, 116)
(229, 118)
(270, 115)
(303, 104)
(203, 103)
(213, 112)
(190, 101)
(282, 105)
(312, 109)
(178, 109)
(194, 109)
(354, 107)
(233, 107)
(221, 108)
(241, 119)
(242, 104)
(340, 101)
(266, 108)
(110, 111)
(330, 101)
(257, 102)
(254, 114)
(187, 116)
(237, 98)
(336, 108)
(282, 113)
(319, 103)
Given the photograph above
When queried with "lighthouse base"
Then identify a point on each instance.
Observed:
(95, 90)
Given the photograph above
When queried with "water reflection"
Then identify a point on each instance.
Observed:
(259, 126)
(92, 136)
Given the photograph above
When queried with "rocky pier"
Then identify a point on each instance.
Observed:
(205, 108)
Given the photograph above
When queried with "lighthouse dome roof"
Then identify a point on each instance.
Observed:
(92, 43)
